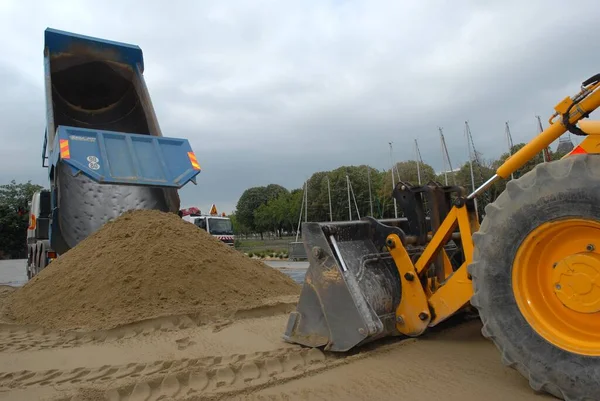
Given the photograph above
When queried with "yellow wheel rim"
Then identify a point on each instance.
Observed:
(556, 283)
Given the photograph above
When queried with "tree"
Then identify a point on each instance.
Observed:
(318, 198)
(528, 166)
(278, 208)
(238, 228)
(318, 193)
(359, 192)
(273, 191)
(273, 208)
(251, 200)
(14, 218)
(293, 208)
(264, 219)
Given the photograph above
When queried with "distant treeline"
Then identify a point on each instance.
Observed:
(273, 208)
(14, 218)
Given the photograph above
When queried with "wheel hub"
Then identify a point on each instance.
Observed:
(577, 282)
(556, 283)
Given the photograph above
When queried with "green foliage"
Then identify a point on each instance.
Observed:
(359, 194)
(279, 210)
(238, 228)
(250, 202)
(14, 218)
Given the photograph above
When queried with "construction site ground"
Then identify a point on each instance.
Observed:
(245, 358)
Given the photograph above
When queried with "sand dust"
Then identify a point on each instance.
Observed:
(143, 265)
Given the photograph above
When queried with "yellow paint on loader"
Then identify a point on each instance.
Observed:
(532, 269)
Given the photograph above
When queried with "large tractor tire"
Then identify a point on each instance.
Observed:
(536, 276)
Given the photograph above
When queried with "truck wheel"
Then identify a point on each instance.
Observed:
(29, 264)
(43, 257)
(39, 261)
(536, 276)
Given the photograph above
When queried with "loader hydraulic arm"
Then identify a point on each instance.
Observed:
(570, 110)
(530, 270)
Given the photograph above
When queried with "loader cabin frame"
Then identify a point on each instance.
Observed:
(532, 278)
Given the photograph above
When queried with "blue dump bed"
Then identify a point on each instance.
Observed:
(115, 158)
(57, 42)
(106, 151)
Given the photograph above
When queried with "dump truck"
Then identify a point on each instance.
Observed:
(530, 269)
(103, 146)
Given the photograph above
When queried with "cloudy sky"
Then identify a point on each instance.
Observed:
(272, 91)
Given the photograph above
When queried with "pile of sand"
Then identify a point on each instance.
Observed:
(142, 265)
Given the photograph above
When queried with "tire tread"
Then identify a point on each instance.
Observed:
(519, 191)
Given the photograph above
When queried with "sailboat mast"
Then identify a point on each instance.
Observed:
(393, 182)
(510, 144)
(301, 207)
(443, 156)
(306, 203)
(545, 151)
(349, 203)
(469, 142)
(329, 194)
(418, 161)
(445, 153)
(370, 195)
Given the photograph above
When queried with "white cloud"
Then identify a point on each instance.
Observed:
(271, 91)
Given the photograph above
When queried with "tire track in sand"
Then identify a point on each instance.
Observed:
(180, 378)
(17, 338)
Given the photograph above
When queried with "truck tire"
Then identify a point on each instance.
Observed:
(39, 259)
(30, 262)
(28, 266)
(536, 257)
(43, 257)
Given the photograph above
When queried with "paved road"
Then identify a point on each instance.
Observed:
(296, 270)
(12, 272)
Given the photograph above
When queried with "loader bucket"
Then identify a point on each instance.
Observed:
(351, 289)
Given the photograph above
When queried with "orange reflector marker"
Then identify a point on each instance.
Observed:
(64, 149)
(32, 223)
(193, 160)
(578, 151)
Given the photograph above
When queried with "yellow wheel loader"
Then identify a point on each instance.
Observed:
(532, 269)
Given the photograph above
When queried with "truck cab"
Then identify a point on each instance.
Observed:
(217, 226)
(39, 252)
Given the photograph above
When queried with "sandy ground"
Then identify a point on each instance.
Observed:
(12, 272)
(178, 358)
